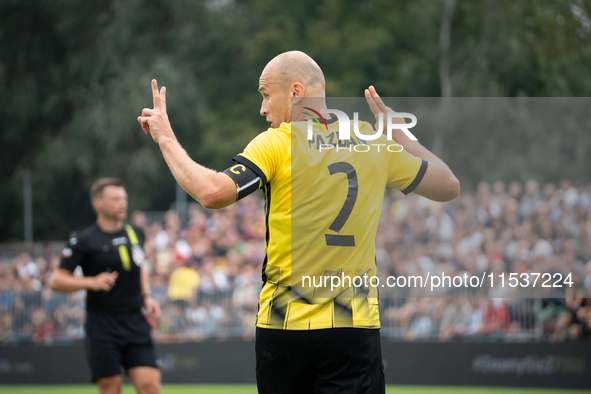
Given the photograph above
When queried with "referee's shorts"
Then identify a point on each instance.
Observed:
(336, 360)
(114, 341)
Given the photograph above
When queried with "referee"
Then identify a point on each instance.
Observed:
(322, 213)
(110, 254)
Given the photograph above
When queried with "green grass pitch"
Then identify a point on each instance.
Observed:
(251, 389)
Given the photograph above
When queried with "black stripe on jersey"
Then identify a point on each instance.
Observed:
(267, 189)
(263, 275)
(343, 312)
(271, 303)
(252, 166)
(298, 299)
(375, 259)
(418, 178)
(278, 309)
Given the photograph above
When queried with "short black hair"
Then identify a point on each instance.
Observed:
(96, 190)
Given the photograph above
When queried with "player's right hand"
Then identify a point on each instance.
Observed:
(155, 121)
(104, 281)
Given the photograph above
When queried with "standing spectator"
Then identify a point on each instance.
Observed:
(27, 268)
(139, 220)
(499, 194)
(531, 199)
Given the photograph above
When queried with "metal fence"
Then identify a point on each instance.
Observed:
(41, 317)
(46, 317)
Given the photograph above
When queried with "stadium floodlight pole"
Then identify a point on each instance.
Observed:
(28, 204)
(181, 203)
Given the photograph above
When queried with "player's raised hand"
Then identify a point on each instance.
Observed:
(155, 121)
(104, 281)
(377, 106)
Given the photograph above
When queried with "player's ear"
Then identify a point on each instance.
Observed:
(96, 203)
(297, 90)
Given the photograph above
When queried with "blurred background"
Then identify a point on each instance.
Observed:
(75, 75)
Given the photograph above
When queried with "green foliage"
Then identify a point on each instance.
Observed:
(75, 75)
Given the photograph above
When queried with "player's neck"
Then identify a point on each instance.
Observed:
(108, 225)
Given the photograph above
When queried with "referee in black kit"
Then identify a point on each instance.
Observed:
(110, 253)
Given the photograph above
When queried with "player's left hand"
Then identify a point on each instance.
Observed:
(155, 121)
(152, 307)
(376, 104)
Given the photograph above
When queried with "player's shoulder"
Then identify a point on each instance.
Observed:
(280, 133)
(273, 141)
(284, 128)
(365, 128)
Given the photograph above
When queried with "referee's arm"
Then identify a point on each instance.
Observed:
(439, 183)
(212, 189)
(64, 281)
(151, 305)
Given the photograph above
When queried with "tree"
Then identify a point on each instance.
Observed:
(75, 75)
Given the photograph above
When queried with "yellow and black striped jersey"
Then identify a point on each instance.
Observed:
(322, 209)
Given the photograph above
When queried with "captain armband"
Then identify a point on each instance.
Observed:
(245, 179)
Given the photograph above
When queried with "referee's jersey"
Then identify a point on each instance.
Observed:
(322, 210)
(95, 252)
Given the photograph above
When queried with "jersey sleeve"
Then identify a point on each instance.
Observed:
(405, 171)
(73, 255)
(263, 154)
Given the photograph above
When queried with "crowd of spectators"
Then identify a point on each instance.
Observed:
(497, 230)
(29, 310)
(206, 274)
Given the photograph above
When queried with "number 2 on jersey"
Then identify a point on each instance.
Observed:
(345, 212)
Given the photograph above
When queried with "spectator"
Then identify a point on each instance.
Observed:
(183, 285)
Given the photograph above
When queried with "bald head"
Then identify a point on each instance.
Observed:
(287, 76)
(295, 66)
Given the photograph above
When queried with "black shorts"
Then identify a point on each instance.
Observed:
(115, 341)
(336, 360)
